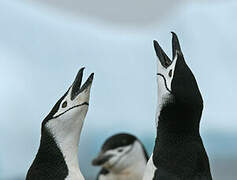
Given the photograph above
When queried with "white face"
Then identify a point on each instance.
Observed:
(124, 157)
(71, 114)
(164, 79)
(66, 123)
(70, 109)
(118, 155)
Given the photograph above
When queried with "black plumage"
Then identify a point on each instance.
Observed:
(179, 153)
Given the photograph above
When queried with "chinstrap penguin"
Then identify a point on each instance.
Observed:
(122, 157)
(57, 157)
(179, 153)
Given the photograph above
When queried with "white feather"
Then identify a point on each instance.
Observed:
(66, 130)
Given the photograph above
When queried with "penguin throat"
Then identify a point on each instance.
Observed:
(135, 170)
(67, 136)
(175, 117)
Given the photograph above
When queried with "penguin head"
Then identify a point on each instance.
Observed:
(69, 112)
(176, 82)
(119, 152)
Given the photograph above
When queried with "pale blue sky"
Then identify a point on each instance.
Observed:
(42, 49)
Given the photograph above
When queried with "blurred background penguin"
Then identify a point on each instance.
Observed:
(122, 157)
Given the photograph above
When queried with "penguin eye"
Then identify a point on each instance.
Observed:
(64, 104)
(170, 73)
(120, 150)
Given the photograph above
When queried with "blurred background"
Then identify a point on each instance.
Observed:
(44, 43)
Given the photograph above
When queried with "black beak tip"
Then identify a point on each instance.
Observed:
(76, 86)
(95, 162)
(156, 46)
(173, 33)
(100, 160)
(81, 70)
(175, 45)
(155, 43)
(78, 79)
(92, 76)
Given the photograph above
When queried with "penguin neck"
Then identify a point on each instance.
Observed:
(67, 136)
(133, 172)
(178, 124)
(69, 149)
(179, 118)
(137, 168)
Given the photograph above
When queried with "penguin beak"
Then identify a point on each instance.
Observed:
(175, 45)
(76, 86)
(101, 159)
(163, 58)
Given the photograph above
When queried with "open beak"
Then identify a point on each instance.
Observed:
(76, 86)
(101, 159)
(163, 58)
